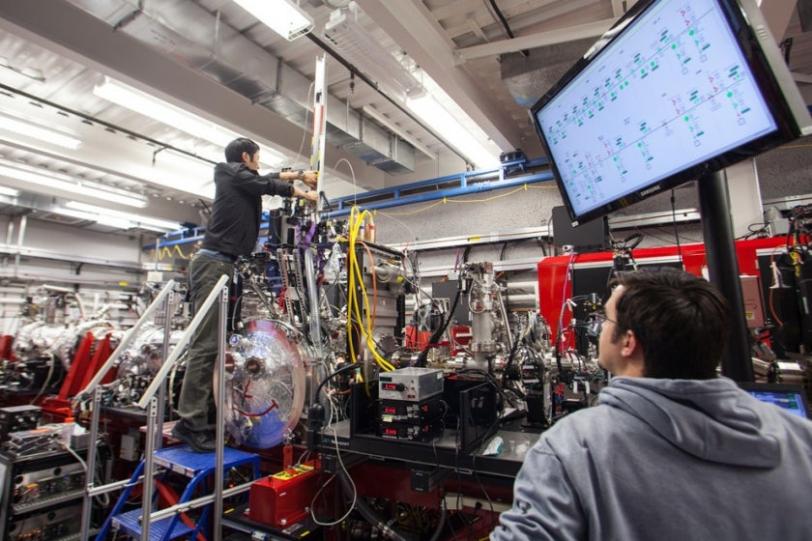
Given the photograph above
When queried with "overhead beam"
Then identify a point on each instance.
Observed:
(542, 11)
(78, 35)
(803, 78)
(414, 29)
(458, 7)
(777, 14)
(541, 39)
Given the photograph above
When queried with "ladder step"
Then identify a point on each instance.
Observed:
(183, 460)
(129, 524)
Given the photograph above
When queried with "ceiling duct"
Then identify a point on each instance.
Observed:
(345, 33)
(200, 40)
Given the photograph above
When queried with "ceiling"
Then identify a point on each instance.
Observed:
(182, 51)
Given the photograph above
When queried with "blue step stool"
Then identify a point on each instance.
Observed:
(198, 467)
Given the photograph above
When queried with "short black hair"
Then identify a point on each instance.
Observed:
(236, 147)
(679, 319)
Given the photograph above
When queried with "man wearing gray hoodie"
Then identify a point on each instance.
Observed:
(671, 452)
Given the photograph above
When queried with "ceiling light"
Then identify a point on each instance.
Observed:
(124, 216)
(118, 223)
(9, 192)
(166, 113)
(171, 115)
(436, 116)
(397, 130)
(57, 181)
(282, 16)
(29, 129)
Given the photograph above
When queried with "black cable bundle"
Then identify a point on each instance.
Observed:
(421, 359)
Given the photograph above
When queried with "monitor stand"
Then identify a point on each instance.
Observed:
(723, 268)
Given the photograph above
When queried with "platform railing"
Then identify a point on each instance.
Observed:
(128, 337)
(93, 389)
(154, 408)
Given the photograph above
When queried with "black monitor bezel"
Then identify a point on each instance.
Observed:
(760, 66)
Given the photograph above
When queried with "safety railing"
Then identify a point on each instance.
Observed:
(154, 407)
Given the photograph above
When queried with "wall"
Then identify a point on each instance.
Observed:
(782, 172)
(97, 285)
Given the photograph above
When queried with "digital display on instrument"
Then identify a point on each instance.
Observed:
(791, 401)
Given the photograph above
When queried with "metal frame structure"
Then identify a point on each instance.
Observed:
(456, 185)
(466, 183)
(154, 407)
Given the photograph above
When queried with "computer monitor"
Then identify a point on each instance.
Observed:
(789, 397)
(590, 237)
(673, 91)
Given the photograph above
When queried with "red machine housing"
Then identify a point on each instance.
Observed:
(86, 362)
(283, 498)
(555, 286)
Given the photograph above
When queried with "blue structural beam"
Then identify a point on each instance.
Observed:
(444, 187)
(507, 175)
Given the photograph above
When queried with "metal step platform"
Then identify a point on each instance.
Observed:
(182, 460)
(129, 523)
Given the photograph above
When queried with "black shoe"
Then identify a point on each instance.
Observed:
(200, 442)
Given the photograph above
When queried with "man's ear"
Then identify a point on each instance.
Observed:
(245, 157)
(629, 344)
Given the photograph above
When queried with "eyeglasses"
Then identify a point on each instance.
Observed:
(600, 316)
(596, 321)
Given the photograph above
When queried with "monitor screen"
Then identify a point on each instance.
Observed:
(674, 86)
(791, 401)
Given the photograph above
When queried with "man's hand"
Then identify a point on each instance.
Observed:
(307, 196)
(311, 178)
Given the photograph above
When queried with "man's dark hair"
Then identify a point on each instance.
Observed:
(236, 147)
(680, 321)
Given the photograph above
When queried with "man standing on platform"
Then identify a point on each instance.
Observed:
(232, 231)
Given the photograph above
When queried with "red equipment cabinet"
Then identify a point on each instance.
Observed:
(284, 498)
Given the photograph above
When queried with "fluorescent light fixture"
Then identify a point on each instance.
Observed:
(116, 215)
(9, 192)
(57, 181)
(397, 130)
(282, 16)
(436, 116)
(27, 128)
(171, 115)
(166, 113)
(103, 220)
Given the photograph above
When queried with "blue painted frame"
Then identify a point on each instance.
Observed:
(393, 197)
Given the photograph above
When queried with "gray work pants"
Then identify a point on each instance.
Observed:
(196, 404)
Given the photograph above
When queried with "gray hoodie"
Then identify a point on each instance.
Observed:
(667, 460)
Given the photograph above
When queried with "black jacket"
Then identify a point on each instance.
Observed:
(234, 224)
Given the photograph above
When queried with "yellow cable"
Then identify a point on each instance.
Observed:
(446, 200)
(356, 221)
(411, 212)
(487, 199)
